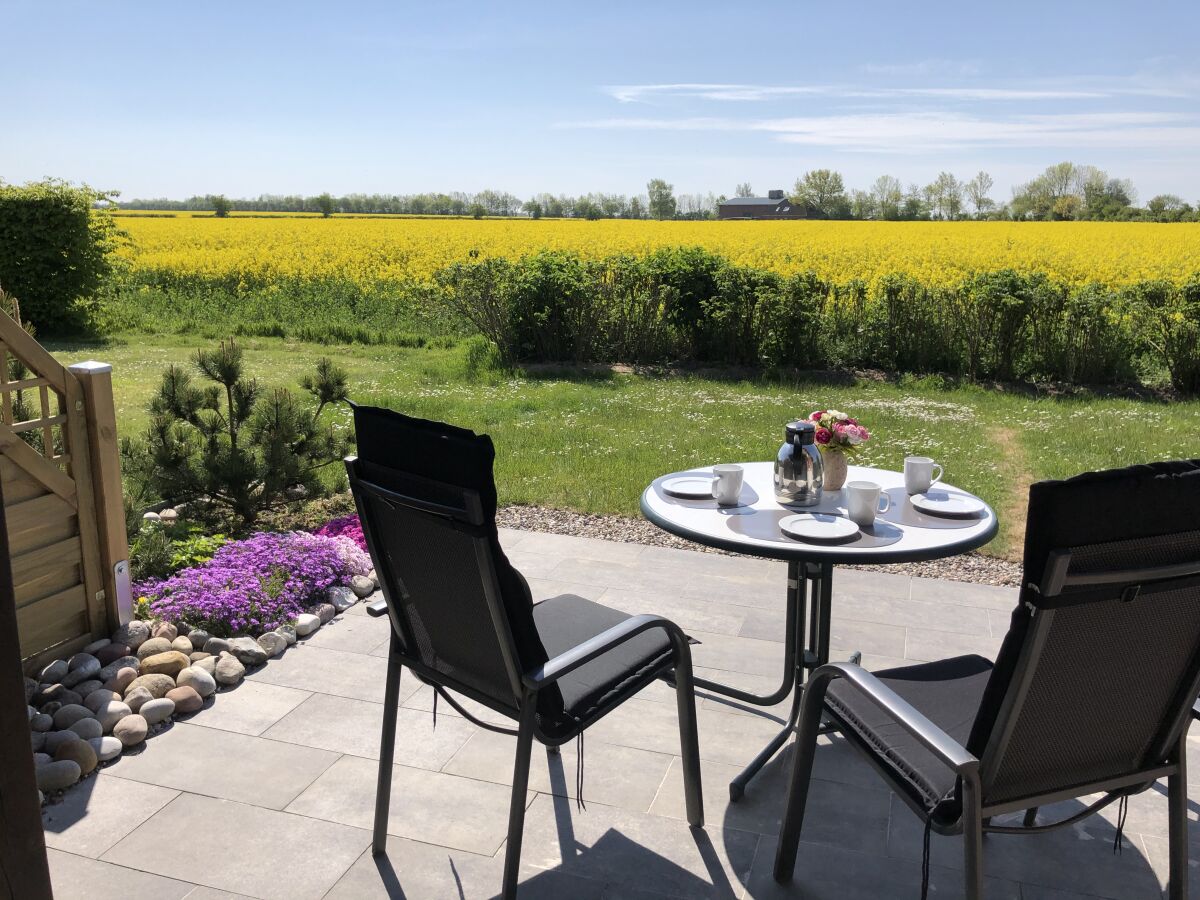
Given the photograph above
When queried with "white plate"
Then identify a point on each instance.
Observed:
(818, 527)
(944, 503)
(695, 487)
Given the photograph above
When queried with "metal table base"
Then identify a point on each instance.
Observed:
(809, 602)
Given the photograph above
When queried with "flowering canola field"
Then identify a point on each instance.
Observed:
(256, 252)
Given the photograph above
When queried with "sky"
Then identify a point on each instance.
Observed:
(164, 99)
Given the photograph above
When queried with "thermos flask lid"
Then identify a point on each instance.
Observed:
(801, 433)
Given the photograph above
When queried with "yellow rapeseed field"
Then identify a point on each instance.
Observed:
(259, 251)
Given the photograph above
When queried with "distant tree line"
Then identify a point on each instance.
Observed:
(1063, 192)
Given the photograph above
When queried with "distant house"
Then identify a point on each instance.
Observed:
(773, 206)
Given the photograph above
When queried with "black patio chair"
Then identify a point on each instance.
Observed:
(463, 619)
(1092, 690)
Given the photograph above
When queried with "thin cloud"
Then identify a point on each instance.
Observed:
(646, 93)
(924, 67)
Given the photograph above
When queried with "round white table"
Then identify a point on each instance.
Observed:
(902, 534)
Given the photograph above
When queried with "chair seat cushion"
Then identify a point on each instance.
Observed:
(947, 692)
(566, 621)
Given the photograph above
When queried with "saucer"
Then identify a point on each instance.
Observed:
(693, 487)
(944, 503)
(818, 527)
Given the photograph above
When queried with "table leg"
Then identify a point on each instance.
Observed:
(819, 583)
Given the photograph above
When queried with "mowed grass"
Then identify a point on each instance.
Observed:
(592, 443)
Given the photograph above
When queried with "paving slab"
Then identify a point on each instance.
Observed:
(242, 848)
(100, 811)
(461, 813)
(355, 727)
(250, 708)
(225, 764)
(79, 878)
(354, 634)
(358, 676)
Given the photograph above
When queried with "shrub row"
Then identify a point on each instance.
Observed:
(686, 304)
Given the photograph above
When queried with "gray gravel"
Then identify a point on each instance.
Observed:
(972, 567)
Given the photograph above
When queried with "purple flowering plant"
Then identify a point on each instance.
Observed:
(250, 586)
(346, 526)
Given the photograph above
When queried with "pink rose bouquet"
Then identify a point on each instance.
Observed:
(838, 432)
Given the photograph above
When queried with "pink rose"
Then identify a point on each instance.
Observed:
(816, 417)
(823, 435)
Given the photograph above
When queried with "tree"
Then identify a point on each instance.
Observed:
(234, 446)
(862, 205)
(324, 204)
(822, 190)
(887, 194)
(977, 192)
(220, 205)
(744, 190)
(477, 210)
(533, 209)
(945, 195)
(637, 209)
(662, 199)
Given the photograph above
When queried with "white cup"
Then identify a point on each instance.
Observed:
(862, 501)
(727, 484)
(918, 474)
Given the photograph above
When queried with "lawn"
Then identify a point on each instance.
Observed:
(592, 443)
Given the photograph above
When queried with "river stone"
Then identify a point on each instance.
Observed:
(110, 653)
(87, 729)
(157, 685)
(186, 700)
(125, 662)
(341, 597)
(41, 722)
(133, 634)
(40, 759)
(54, 672)
(199, 637)
(55, 692)
(37, 740)
(170, 663)
(96, 699)
(248, 651)
(136, 697)
(106, 748)
(86, 687)
(325, 612)
(198, 680)
(288, 633)
(198, 655)
(183, 645)
(51, 707)
(58, 775)
(56, 739)
(164, 630)
(111, 713)
(83, 667)
(374, 578)
(80, 752)
(273, 643)
(156, 711)
(306, 624)
(31, 688)
(207, 664)
(215, 645)
(131, 730)
(94, 646)
(362, 586)
(120, 682)
(70, 714)
(228, 670)
(153, 647)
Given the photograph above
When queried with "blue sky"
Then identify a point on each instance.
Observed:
(172, 99)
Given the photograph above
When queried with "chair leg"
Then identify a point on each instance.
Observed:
(387, 751)
(1177, 827)
(972, 841)
(1030, 817)
(689, 743)
(516, 809)
(797, 793)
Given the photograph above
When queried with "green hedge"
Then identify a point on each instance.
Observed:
(686, 304)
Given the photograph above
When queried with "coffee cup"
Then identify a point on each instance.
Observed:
(727, 484)
(862, 502)
(918, 474)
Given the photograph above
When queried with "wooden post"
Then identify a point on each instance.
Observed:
(23, 869)
(104, 455)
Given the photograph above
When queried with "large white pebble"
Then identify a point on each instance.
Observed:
(156, 711)
(198, 679)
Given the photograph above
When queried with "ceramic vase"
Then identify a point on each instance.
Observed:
(835, 470)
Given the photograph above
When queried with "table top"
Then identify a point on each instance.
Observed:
(901, 534)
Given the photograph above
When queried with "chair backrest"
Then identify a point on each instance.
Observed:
(427, 500)
(1101, 664)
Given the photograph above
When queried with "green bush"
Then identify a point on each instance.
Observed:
(55, 250)
(1170, 318)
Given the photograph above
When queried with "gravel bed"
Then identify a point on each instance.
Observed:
(971, 567)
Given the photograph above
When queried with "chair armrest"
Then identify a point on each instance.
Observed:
(581, 654)
(377, 609)
(905, 714)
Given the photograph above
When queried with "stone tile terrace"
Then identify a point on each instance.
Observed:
(269, 791)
